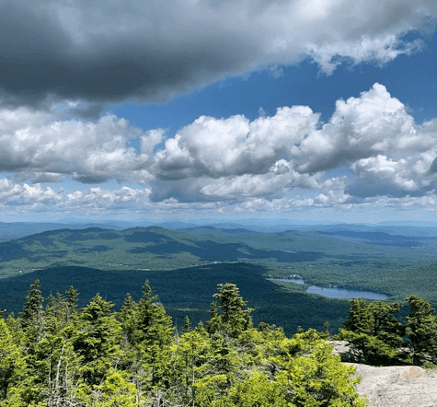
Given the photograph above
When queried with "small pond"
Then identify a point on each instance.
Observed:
(343, 293)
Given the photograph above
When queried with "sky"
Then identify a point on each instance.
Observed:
(188, 109)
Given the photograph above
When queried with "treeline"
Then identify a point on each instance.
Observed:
(62, 355)
(186, 292)
(378, 337)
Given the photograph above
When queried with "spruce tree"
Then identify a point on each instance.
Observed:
(12, 365)
(31, 316)
(421, 331)
(72, 296)
(98, 341)
(153, 325)
(187, 325)
(151, 338)
(232, 319)
(374, 332)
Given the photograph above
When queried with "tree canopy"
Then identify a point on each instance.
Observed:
(60, 355)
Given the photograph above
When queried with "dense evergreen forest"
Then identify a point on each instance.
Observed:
(61, 355)
(185, 292)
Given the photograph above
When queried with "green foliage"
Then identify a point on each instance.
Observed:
(258, 390)
(421, 331)
(374, 332)
(98, 341)
(12, 365)
(96, 357)
(32, 310)
(116, 390)
(154, 326)
(187, 325)
(319, 379)
(378, 338)
(232, 319)
(191, 361)
(360, 260)
(188, 292)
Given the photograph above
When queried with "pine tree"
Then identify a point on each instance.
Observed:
(257, 390)
(127, 317)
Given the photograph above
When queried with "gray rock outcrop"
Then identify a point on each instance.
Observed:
(392, 386)
(398, 386)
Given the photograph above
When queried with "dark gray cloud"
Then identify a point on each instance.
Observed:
(40, 59)
(150, 51)
(433, 167)
(372, 186)
(90, 111)
(185, 190)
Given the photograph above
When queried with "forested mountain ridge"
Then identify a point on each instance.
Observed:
(135, 248)
(155, 247)
(93, 259)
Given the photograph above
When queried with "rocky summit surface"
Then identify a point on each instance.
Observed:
(398, 386)
(393, 386)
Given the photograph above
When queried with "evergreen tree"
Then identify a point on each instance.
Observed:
(127, 317)
(191, 361)
(187, 325)
(56, 313)
(257, 390)
(374, 332)
(232, 319)
(98, 341)
(31, 316)
(12, 367)
(15, 328)
(57, 368)
(421, 331)
(153, 325)
(95, 357)
(114, 391)
(72, 296)
(151, 338)
(319, 379)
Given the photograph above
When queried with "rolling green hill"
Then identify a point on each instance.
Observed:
(141, 248)
(121, 260)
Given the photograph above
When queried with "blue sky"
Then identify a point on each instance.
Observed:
(315, 110)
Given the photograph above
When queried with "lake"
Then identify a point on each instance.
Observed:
(343, 293)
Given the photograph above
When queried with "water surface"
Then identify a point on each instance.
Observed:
(342, 293)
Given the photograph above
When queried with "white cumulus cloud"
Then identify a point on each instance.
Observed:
(371, 148)
(40, 147)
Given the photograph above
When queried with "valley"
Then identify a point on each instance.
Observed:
(184, 266)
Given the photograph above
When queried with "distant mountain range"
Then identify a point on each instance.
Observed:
(406, 228)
